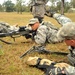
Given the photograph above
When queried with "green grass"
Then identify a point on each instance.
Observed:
(1, 52)
(10, 62)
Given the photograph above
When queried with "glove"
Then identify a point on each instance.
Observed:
(27, 36)
(33, 34)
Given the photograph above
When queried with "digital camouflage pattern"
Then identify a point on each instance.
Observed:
(46, 32)
(38, 7)
(61, 19)
(67, 31)
(5, 27)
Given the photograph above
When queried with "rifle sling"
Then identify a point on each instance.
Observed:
(5, 41)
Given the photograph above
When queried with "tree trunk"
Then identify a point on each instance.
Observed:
(62, 7)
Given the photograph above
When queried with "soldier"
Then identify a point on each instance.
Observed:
(67, 33)
(45, 32)
(38, 8)
(51, 67)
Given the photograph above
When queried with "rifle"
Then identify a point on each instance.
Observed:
(14, 34)
(42, 50)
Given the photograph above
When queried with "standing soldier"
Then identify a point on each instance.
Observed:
(37, 7)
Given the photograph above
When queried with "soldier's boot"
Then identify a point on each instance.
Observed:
(50, 13)
(71, 55)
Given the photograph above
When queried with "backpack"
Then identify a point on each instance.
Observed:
(50, 25)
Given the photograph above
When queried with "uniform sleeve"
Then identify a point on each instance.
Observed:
(40, 37)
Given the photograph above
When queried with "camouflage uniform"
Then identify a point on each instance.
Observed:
(46, 33)
(61, 19)
(38, 8)
(67, 32)
(5, 27)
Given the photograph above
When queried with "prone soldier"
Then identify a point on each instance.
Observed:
(45, 32)
(66, 33)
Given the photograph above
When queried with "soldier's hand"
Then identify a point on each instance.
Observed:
(27, 36)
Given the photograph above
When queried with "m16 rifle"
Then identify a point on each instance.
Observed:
(42, 50)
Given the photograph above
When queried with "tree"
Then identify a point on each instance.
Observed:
(58, 6)
(67, 6)
(53, 2)
(19, 6)
(1, 8)
(62, 7)
(8, 6)
(73, 3)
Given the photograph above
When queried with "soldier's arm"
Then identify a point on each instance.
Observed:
(40, 37)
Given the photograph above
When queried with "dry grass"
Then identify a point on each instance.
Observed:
(10, 62)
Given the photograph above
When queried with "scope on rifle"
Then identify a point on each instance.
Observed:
(22, 28)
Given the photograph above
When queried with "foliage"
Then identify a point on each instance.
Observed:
(73, 3)
(20, 6)
(66, 6)
(1, 8)
(1, 52)
(8, 6)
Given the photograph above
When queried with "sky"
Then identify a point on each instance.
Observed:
(26, 1)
